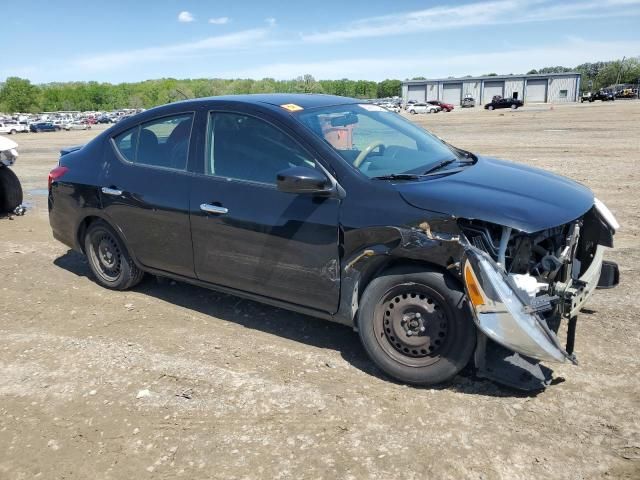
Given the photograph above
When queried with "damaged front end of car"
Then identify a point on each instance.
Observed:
(522, 285)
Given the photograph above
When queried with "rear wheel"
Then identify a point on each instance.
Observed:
(513, 107)
(415, 325)
(109, 259)
(10, 190)
(490, 107)
(13, 132)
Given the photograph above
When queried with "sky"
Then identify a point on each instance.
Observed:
(121, 41)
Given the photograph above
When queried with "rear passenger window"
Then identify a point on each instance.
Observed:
(159, 143)
(126, 143)
(246, 148)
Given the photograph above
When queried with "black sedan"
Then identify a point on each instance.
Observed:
(512, 103)
(44, 127)
(345, 211)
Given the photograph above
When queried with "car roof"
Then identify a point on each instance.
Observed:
(304, 100)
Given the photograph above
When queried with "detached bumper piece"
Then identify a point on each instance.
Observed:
(609, 275)
(501, 365)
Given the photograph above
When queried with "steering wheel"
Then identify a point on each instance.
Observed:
(365, 153)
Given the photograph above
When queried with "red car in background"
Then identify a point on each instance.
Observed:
(447, 107)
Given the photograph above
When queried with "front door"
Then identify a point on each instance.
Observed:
(249, 236)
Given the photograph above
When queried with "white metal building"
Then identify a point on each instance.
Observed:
(536, 88)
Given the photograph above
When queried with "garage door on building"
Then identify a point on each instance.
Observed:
(452, 93)
(491, 89)
(536, 90)
(416, 92)
(432, 91)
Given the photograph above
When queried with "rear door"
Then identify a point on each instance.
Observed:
(145, 191)
(249, 236)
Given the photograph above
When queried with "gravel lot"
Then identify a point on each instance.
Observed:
(172, 380)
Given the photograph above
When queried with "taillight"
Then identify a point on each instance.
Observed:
(56, 174)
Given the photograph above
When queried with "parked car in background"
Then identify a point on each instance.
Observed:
(44, 127)
(13, 127)
(391, 106)
(105, 119)
(603, 96)
(500, 102)
(423, 108)
(446, 107)
(468, 102)
(346, 211)
(78, 125)
(409, 103)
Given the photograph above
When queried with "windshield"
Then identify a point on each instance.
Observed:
(376, 141)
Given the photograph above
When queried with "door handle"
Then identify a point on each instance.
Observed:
(207, 207)
(111, 191)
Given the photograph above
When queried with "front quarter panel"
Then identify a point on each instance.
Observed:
(380, 229)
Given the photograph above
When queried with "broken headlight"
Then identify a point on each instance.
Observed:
(503, 315)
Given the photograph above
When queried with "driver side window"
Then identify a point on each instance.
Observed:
(247, 148)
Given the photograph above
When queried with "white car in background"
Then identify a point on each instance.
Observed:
(391, 106)
(78, 125)
(12, 127)
(423, 108)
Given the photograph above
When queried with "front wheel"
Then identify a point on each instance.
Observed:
(416, 326)
(109, 259)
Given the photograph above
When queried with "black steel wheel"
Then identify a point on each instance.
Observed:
(416, 326)
(108, 258)
(411, 325)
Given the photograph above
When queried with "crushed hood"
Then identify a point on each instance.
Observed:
(504, 193)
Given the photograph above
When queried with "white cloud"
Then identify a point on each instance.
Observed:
(270, 21)
(221, 43)
(442, 64)
(474, 14)
(185, 17)
(219, 20)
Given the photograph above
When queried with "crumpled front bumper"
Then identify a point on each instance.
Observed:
(507, 316)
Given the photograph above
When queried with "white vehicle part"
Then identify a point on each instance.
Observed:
(528, 284)
(501, 314)
(606, 214)
(8, 152)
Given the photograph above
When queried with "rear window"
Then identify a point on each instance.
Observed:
(163, 142)
(126, 143)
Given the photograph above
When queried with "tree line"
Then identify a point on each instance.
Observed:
(20, 95)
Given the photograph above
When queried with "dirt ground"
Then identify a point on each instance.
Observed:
(172, 380)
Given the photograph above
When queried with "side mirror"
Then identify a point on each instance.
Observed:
(303, 180)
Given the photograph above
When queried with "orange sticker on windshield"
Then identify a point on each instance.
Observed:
(292, 107)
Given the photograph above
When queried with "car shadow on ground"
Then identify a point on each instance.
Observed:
(283, 323)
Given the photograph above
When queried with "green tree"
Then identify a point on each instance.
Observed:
(19, 95)
(389, 88)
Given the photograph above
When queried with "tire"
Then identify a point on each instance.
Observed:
(514, 107)
(430, 305)
(13, 132)
(10, 190)
(109, 259)
(490, 107)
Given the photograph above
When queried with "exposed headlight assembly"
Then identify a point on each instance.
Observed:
(503, 315)
(606, 214)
